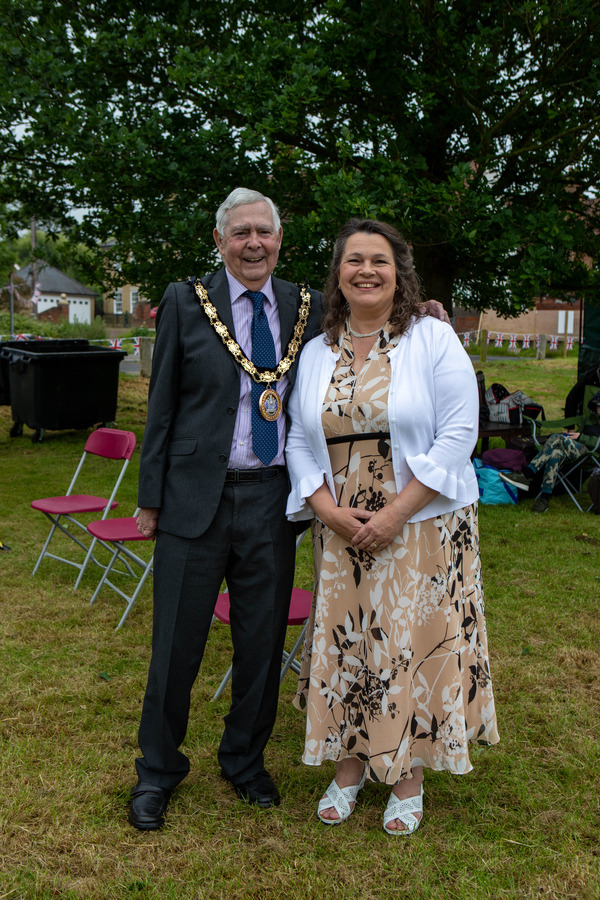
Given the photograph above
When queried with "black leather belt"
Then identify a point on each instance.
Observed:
(237, 476)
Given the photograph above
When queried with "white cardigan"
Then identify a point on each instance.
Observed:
(433, 410)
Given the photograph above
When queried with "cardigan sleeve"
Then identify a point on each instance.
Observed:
(446, 467)
(305, 471)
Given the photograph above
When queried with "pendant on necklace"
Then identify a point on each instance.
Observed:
(269, 405)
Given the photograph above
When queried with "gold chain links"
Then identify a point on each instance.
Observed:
(271, 375)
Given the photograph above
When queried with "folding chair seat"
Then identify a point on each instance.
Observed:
(300, 607)
(64, 511)
(117, 533)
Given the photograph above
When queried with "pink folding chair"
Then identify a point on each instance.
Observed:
(117, 533)
(63, 511)
(300, 606)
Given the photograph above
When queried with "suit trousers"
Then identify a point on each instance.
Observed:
(251, 545)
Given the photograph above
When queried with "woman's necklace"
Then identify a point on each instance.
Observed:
(368, 334)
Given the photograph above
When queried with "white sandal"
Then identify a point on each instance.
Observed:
(405, 811)
(340, 799)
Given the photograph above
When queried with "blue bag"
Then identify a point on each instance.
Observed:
(492, 489)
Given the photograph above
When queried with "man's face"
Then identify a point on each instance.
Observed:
(250, 245)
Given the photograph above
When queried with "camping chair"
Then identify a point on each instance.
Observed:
(574, 472)
(111, 444)
(300, 606)
(117, 533)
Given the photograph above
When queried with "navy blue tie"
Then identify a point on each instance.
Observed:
(264, 433)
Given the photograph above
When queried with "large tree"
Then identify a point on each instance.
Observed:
(472, 125)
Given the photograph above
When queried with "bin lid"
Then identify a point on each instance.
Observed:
(32, 350)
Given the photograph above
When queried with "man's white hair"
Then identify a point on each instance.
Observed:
(243, 197)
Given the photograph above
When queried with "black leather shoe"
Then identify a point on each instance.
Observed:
(259, 790)
(148, 806)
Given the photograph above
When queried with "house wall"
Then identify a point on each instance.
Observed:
(81, 309)
(546, 319)
(135, 309)
(130, 295)
(536, 321)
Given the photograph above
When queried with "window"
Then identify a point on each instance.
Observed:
(118, 303)
(566, 318)
(134, 297)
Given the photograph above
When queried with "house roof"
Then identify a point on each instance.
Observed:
(53, 281)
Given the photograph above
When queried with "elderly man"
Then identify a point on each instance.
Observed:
(213, 489)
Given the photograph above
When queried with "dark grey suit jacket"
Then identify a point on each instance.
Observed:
(193, 399)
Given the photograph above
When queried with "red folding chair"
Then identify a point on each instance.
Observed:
(117, 533)
(300, 606)
(63, 511)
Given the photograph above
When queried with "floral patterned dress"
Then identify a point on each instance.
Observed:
(395, 666)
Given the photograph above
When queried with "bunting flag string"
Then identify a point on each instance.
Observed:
(113, 343)
(36, 294)
(17, 294)
(21, 337)
(526, 340)
(467, 337)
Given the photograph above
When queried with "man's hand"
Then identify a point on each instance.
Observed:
(435, 308)
(147, 521)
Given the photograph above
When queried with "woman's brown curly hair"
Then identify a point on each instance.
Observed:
(407, 298)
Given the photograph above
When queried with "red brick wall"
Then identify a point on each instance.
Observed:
(56, 314)
(141, 315)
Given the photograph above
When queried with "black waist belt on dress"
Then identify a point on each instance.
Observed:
(236, 476)
(359, 436)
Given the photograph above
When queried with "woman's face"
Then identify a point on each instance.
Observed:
(368, 274)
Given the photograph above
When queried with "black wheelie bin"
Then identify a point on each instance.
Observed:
(5, 362)
(59, 384)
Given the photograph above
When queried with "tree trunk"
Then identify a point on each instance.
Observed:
(435, 267)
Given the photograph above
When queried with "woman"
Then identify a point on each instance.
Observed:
(384, 414)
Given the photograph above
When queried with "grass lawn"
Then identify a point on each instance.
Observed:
(523, 824)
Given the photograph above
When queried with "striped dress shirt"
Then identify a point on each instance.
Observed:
(241, 455)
